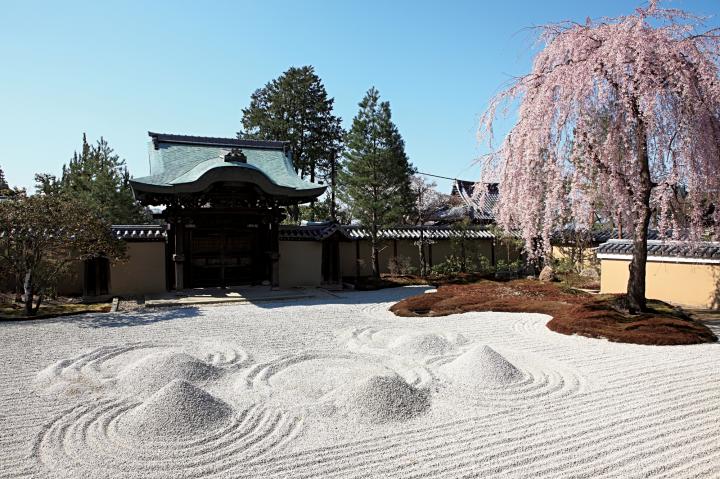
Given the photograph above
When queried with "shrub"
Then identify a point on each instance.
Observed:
(513, 269)
(401, 265)
(564, 265)
(454, 265)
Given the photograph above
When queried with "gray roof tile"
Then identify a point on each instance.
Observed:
(674, 249)
(139, 232)
(181, 160)
(320, 232)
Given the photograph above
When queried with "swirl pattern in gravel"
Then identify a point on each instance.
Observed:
(341, 388)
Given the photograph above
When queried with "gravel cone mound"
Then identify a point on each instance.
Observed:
(178, 409)
(381, 399)
(422, 344)
(480, 367)
(156, 370)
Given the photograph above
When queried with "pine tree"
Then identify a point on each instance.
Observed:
(6, 190)
(3, 181)
(99, 179)
(376, 172)
(295, 107)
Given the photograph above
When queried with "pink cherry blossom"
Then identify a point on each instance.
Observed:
(618, 121)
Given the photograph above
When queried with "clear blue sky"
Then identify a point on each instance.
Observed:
(121, 68)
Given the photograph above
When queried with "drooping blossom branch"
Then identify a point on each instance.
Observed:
(602, 99)
(618, 119)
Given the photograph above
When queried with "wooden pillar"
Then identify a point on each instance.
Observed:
(430, 262)
(168, 252)
(357, 258)
(179, 255)
(274, 249)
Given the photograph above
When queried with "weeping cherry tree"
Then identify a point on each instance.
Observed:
(619, 119)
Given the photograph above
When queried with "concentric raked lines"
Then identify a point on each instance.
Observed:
(85, 436)
(323, 371)
(507, 397)
(99, 367)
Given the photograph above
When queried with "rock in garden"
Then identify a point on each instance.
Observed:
(547, 274)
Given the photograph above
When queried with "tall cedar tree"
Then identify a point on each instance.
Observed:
(98, 178)
(622, 113)
(296, 108)
(376, 172)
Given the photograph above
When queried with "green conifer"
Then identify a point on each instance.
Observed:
(376, 173)
(99, 179)
(295, 107)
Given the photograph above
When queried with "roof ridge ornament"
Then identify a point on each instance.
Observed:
(236, 155)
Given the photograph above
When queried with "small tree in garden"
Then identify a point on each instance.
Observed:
(376, 173)
(427, 201)
(621, 114)
(41, 236)
(464, 249)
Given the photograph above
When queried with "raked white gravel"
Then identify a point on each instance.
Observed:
(342, 388)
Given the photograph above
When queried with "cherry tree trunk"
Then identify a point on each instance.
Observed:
(636, 282)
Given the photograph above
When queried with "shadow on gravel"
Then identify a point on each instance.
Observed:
(713, 326)
(387, 295)
(120, 319)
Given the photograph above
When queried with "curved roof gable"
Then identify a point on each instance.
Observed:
(189, 164)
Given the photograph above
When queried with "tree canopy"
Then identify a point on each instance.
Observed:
(3, 182)
(98, 178)
(296, 108)
(376, 172)
(618, 118)
(41, 236)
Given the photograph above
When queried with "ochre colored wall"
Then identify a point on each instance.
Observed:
(405, 248)
(347, 258)
(687, 284)
(561, 252)
(441, 249)
(142, 273)
(300, 263)
(408, 249)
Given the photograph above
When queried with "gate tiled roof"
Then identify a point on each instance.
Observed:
(182, 164)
